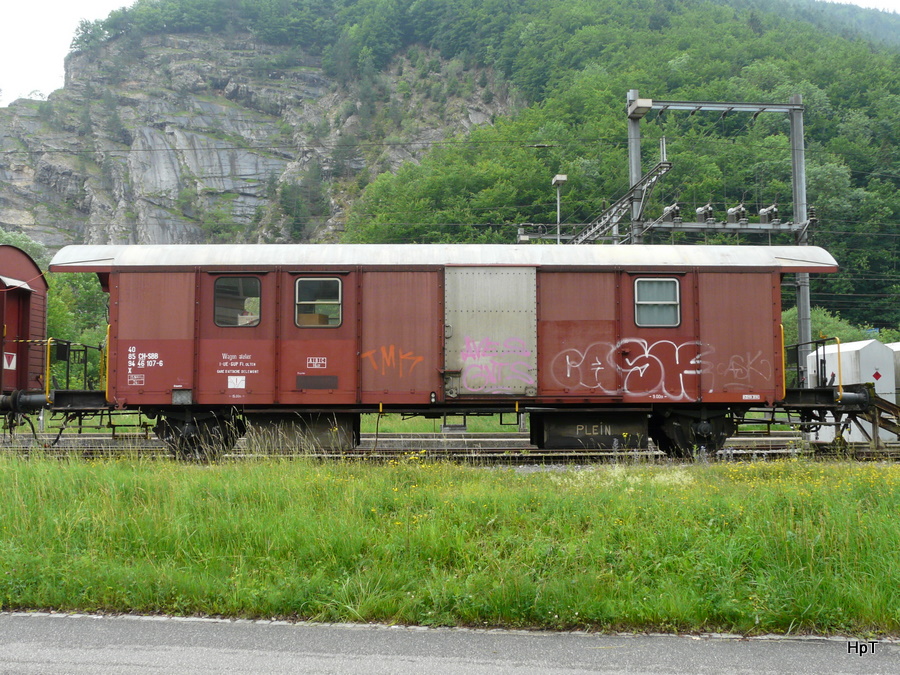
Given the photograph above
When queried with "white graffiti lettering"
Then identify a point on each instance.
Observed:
(743, 369)
(661, 370)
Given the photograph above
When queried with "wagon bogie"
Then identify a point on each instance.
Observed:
(687, 431)
(199, 435)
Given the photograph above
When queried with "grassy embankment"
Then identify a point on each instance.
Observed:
(780, 547)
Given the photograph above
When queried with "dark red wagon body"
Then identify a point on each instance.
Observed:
(599, 344)
(23, 305)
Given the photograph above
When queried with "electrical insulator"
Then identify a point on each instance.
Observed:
(671, 213)
(769, 214)
(736, 214)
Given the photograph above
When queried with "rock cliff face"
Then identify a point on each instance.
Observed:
(196, 138)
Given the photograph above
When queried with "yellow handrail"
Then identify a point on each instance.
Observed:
(47, 376)
(104, 360)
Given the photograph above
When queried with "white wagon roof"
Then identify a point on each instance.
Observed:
(106, 258)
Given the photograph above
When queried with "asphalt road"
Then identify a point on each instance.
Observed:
(80, 644)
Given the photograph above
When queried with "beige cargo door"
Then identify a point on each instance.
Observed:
(490, 331)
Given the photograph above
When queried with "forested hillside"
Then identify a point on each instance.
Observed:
(573, 63)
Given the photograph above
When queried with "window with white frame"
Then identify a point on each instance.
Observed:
(657, 303)
(318, 302)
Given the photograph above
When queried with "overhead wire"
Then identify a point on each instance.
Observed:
(706, 137)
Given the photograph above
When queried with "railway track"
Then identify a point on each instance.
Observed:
(492, 448)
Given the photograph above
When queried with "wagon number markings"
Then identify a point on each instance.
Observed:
(141, 360)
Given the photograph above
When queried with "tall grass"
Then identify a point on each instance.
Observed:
(782, 547)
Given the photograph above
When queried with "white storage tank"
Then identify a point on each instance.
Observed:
(895, 347)
(860, 362)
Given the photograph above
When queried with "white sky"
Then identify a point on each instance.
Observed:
(34, 39)
(35, 36)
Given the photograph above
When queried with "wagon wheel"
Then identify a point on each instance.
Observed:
(200, 440)
(680, 436)
(681, 443)
(190, 449)
(666, 438)
(219, 435)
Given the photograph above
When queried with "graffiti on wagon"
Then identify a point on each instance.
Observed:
(392, 359)
(662, 369)
(495, 367)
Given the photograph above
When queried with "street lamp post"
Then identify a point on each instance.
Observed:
(558, 181)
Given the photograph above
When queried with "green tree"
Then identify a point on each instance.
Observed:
(77, 308)
(89, 35)
(36, 250)
(825, 324)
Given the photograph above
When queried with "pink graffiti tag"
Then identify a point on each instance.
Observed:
(495, 367)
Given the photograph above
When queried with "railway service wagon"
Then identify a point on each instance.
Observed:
(602, 346)
(23, 306)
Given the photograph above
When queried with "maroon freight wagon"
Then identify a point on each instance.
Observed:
(23, 306)
(602, 346)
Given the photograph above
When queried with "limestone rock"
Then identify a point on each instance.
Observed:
(194, 138)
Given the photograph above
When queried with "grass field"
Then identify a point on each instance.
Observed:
(781, 547)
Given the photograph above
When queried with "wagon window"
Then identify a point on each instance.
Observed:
(656, 302)
(237, 301)
(318, 303)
